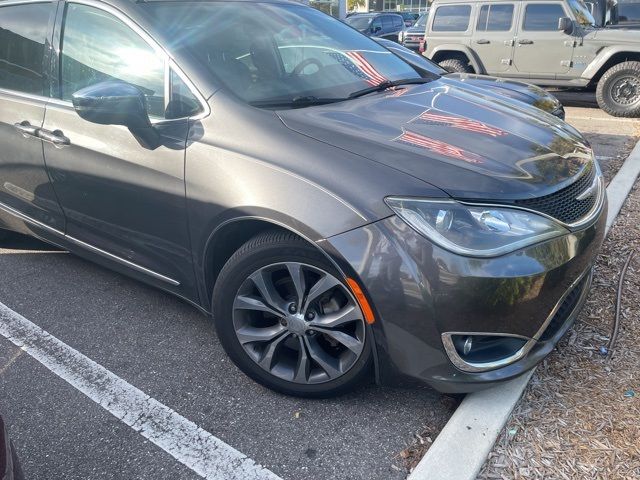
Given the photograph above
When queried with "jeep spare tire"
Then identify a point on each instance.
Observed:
(618, 91)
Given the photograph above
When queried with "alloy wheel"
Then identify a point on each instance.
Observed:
(299, 323)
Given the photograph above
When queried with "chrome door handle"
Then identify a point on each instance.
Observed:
(525, 42)
(483, 41)
(26, 129)
(56, 137)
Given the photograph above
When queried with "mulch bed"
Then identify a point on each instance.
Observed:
(580, 415)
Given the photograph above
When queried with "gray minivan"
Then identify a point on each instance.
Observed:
(340, 215)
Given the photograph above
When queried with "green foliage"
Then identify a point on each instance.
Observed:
(354, 4)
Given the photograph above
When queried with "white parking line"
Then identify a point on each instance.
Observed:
(192, 446)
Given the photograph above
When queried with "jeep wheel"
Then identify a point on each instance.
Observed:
(618, 91)
(456, 65)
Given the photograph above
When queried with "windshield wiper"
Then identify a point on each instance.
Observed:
(296, 102)
(389, 84)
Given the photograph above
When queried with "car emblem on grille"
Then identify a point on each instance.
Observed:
(589, 192)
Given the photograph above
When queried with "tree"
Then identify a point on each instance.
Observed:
(354, 4)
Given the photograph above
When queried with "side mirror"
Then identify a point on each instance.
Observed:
(376, 29)
(117, 103)
(565, 24)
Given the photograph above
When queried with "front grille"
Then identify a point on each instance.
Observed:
(563, 205)
(566, 308)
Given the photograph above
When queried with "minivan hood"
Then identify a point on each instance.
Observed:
(525, 92)
(469, 145)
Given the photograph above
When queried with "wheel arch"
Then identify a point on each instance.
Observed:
(229, 236)
(607, 58)
(442, 52)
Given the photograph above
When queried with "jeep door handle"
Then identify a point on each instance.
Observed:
(26, 129)
(525, 42)
(482, 41)
(56, 137)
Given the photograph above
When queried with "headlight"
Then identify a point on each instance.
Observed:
(477, 231)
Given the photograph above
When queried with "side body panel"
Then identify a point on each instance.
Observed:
(120, 197)
(25, 185)
(495, 48)
(24, 48)
(542, 54)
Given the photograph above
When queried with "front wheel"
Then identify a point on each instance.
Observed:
(287, 320)
(618, 91)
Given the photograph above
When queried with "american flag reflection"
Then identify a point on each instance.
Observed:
(357, 64)
(467, 124)
(439, 147)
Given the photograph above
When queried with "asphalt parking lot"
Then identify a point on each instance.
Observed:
(169, 351)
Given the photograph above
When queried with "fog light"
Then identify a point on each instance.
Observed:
(478, 352)
(468, 343)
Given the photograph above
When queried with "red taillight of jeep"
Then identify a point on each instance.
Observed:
(423, 44)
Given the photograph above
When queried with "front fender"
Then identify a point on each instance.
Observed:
(604, 56)
(474, 60)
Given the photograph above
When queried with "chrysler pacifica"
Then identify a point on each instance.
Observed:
(340, 214)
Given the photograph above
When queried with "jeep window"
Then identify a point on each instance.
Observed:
(452, 18)
(422, 21)
(628, 11)
(277, 53)
(495, 18)
(582, 14)
(23, 30)
(542, 16)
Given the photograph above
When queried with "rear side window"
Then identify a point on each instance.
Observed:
(398, 22)
(23, 32)
(452, 18)
(495, 18)
(542, 16)
(98, 47)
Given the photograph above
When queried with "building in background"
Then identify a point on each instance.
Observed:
(416, 6)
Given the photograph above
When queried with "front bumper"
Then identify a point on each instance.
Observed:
(421, 291)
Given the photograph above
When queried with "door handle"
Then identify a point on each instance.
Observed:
(56, 137)
(482, 41)
(525, 42)
(26, 129)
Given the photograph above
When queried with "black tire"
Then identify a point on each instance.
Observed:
(618, 91)
(456, 65)
(267, 249)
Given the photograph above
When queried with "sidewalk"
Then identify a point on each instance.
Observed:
(580, 415)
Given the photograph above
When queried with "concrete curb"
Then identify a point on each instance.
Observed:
(463, 445)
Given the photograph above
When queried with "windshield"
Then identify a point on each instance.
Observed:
(359, 22)
(270, 53)
(582, 13)
(628, 11)
(422, 21)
